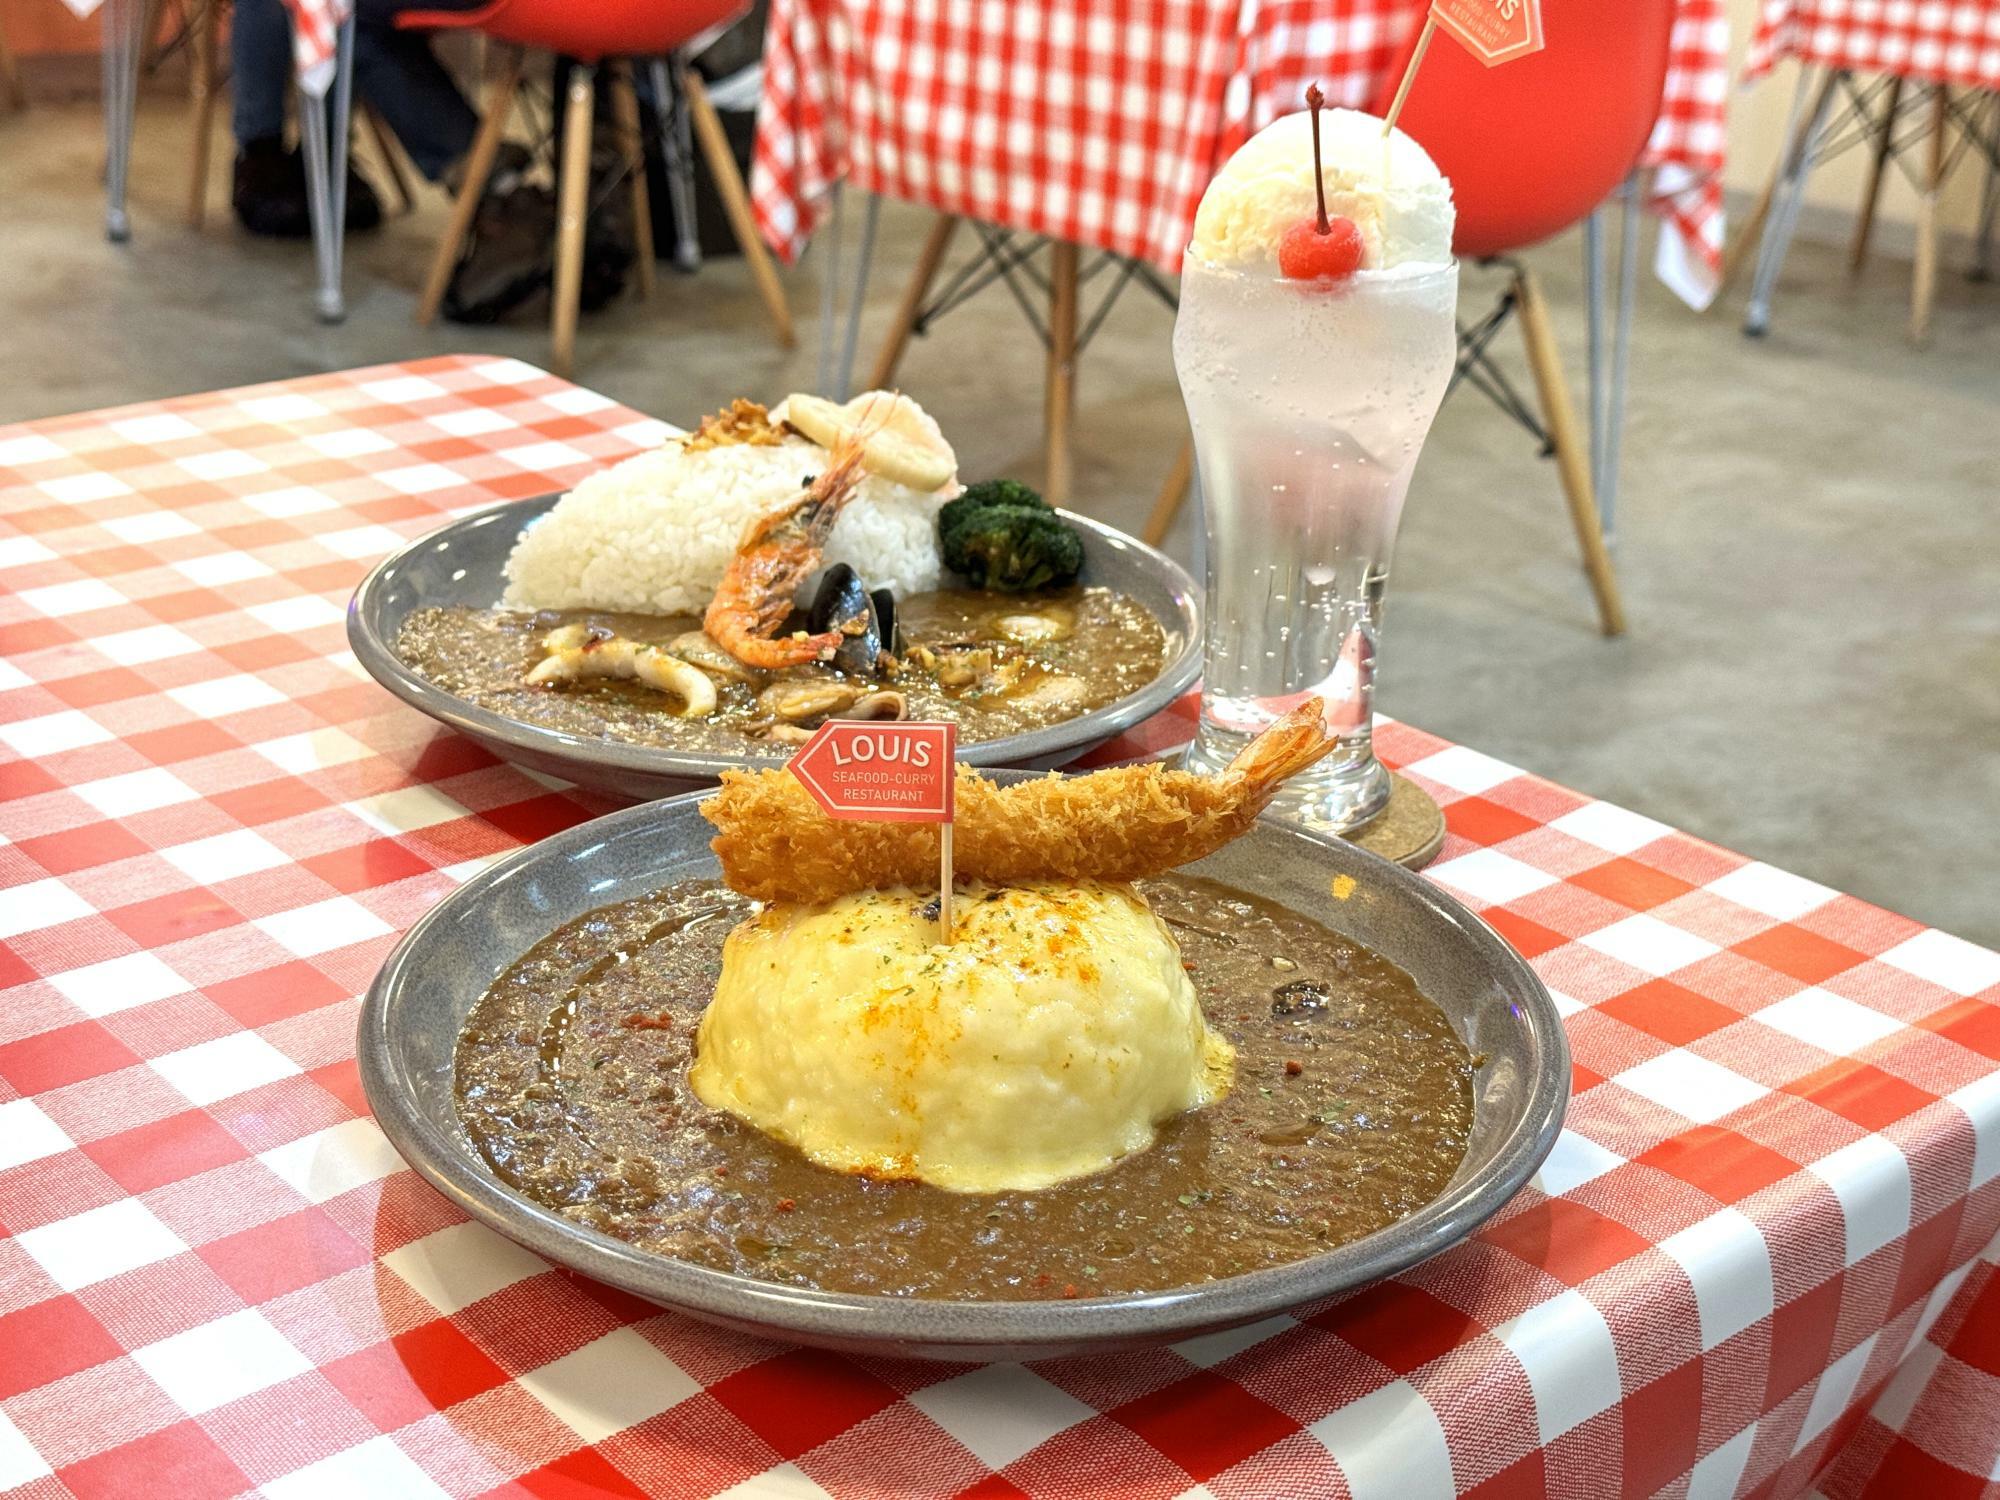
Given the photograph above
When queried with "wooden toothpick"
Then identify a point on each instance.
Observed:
(1410, 73)
(944, 885)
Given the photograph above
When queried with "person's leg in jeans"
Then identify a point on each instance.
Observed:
(260, 66)
(268, 190)
(398, 73)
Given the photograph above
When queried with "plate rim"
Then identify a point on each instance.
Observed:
(933, 1327)
(378, 658)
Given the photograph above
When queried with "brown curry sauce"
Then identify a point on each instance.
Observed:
(1351, 1109)
(1114, 647)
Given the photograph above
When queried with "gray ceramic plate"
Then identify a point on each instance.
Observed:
(461, 565)
(414, 1011)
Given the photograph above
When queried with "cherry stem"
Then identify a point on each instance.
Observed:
(1314, 99)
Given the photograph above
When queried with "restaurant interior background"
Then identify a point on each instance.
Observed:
(395, 1103)
(1807, 536)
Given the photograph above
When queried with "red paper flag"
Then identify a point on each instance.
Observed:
(881, 772)
(1494, 31)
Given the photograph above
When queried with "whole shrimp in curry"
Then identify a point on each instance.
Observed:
(779, 551)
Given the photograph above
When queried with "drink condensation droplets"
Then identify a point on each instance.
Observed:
(1310, 401)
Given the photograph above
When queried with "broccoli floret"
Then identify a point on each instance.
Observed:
(1002, 492)
(1001, 535)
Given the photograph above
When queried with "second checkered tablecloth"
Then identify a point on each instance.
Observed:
(1953, 42)
(1102, 123)
(1760, 1259)
(315, 32)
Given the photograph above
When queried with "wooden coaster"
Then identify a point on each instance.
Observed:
(1410, 830)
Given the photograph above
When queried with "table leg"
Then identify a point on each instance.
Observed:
(1061, 392)
(677, 154)
(121, 86)
(1571, 463)
(1989, 194)
(1864, 223)
(572, 203)
(1593, 322)
(1777, 236)
(1750, 233)
(325, 151)
(478, 167)
(830, 240)
(1923, 276)
(632, 147)
(1621, 359)
(203, 26)
(862, 263)
(929, 259)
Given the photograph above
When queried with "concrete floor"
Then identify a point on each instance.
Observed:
(1809, 532)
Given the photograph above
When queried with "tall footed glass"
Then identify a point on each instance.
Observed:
(1310, 401)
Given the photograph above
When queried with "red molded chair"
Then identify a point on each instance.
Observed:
(1531, 148)
(593, 34)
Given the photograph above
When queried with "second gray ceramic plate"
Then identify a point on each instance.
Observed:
(461, 564)
(418, 1004)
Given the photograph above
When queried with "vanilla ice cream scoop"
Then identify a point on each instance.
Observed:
(1391, 189)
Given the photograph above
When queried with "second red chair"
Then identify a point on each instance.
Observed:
(1533, 147)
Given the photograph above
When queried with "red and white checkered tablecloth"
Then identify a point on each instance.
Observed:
(1935, 41)
(1102, 123)
(1761, 1258)
(315, 30)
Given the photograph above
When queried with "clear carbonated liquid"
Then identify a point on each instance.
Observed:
(1310, 404)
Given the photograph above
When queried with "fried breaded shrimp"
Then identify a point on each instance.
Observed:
(1124, 823)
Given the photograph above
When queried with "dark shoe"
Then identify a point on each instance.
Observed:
(507, 257)
(364, 208)
(269, 193)
(609, 244)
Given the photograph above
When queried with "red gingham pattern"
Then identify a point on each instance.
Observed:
(315, 29)
(315, 36)
(1086, 121)
(1935, 41)
(1102, 123)
(1759, 1259)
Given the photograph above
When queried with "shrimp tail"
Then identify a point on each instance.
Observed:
(1287, 747)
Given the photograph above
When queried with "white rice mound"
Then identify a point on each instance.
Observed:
(653, 534)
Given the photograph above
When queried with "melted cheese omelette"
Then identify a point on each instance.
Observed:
(1051, 1037)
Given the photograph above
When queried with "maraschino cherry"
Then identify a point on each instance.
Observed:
(1321, 248)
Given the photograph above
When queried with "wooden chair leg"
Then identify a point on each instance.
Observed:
(478, 167)
(1172, 496)
(1572, 459)
(1871, 192)
(572, 208)
(383, 142)
(736, 202)
(150, 17)
(11, 91)
(1061, 392)
(632, 149)
(1923, 276)
(204, 24)
(928, 260)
